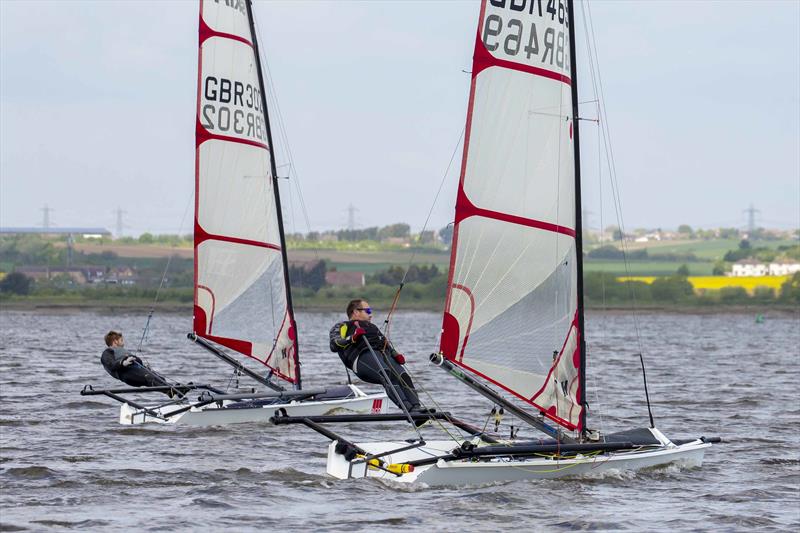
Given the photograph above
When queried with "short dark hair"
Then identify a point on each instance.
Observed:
(351, 307)
(111, 336)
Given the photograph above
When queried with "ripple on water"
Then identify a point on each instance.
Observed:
(31, 473)
(780, 461)
(82, 524)
(211, 503)
(71, 458)
(5, 526)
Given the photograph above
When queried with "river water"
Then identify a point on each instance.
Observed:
(67, 464)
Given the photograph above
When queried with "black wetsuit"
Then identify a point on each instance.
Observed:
(357, 357)
(137, 374)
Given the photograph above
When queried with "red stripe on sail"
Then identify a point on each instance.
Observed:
(550, 411)
(202, 135)
(201, 235)
(471, 315)
(206, 32)
(210, 319)
(246, 348)
(465, 208)
(483, 59)
(197, 153)
(560, 421)
(454, 241)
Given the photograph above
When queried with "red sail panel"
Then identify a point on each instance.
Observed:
(512, 304)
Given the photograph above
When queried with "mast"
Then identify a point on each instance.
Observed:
(578, 212)
(276, 190)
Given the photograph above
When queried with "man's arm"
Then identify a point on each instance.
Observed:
(112, 359)
(339, 339)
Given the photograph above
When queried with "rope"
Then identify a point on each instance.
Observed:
(163, 279)
(277, 120)
(597, 83)
(386, 322)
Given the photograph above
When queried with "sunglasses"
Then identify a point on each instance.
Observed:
(368, 310)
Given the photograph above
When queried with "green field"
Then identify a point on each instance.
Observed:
(647, 268)
(710, 250)
(371, 262)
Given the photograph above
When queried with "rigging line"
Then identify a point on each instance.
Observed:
(557, 258)
(146, 328)
(599, 407)
(282, 130)
(386, 322)
(615, 188)
(618, 204)
(421, 388)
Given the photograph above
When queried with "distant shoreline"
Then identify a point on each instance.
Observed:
(316, 307)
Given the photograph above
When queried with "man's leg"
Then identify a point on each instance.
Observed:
(399, 389)
(366, 370)
(401, 379)
(140, 376)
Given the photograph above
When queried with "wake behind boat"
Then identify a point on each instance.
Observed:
(242, 296)
(514, 314)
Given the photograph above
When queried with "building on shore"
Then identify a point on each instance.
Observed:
(81, 275)
(753, 267)
(345, 279)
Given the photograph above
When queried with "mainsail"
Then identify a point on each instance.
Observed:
(512, 313)
(241, 297)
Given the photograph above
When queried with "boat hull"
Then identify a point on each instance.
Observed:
(504, 469)
(215, 414)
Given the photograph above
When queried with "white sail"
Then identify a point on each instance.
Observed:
(241, 290)
(511, 312)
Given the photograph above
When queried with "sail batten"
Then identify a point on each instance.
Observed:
(242, 297)
(512, 311)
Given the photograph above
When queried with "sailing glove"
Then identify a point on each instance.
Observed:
(357, 334)
(400, 358)
(128, 361)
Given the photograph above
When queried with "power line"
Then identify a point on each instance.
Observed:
(120, 225)
(46, 216)
(751, 218)
(351, 217)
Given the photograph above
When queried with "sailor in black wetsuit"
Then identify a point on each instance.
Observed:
(126, 367)
(349, 339)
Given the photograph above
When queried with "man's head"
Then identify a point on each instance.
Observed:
(359, 310)
(114, 338)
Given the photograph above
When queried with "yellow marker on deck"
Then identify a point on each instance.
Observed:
(394, 468)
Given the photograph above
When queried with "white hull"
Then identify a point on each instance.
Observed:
(465, 472)
(214, 414)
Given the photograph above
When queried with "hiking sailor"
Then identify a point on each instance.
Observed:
(130, 369)
(349, 339)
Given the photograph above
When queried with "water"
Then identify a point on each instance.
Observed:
(65, 463)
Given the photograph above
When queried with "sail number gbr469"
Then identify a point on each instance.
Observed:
(532, 32)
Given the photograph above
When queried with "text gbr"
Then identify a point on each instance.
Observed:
(224, 114)
(546, 42)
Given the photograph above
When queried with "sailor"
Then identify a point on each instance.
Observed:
(352, 340)
(126, 367)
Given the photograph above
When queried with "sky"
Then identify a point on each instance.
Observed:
(97, 104)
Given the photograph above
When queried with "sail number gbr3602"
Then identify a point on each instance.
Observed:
(232, 108)
(532, 32)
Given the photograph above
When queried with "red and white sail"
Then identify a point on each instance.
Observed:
(511, 312)
(241, 297)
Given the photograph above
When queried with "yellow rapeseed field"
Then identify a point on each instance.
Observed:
(715, 283)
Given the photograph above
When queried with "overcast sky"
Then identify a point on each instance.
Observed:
(98, 100)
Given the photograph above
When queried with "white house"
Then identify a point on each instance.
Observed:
(748, 267)
(783, 268)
